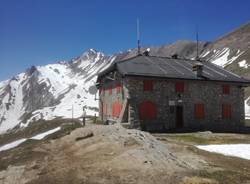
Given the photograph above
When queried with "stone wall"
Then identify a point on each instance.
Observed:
(107, 99)
(209, 93)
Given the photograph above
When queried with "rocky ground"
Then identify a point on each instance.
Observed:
(113, 154)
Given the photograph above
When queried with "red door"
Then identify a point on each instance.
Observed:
(147, 110)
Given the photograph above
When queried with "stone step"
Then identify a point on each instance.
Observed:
(126, 125)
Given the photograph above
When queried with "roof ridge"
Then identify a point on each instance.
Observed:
(168, 57)
(120, 61)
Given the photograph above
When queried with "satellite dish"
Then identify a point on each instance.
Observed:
(93, 90)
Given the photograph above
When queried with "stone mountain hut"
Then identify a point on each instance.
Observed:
(163, 94)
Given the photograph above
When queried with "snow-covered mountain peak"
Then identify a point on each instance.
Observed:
(50, 91)
(90, 54)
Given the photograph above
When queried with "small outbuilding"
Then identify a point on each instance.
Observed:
(168, 93)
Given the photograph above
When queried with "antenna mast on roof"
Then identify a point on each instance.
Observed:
(138, 37)
(197, 43)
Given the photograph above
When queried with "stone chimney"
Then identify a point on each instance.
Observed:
(198, 69)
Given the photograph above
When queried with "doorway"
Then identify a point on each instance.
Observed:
(179, 117)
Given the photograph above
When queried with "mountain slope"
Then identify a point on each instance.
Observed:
(232, 52)
(47, 92)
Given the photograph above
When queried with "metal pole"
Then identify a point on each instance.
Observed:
(138, 37)
(72, 112)
(197, 43)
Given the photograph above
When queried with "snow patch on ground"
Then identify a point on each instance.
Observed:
(247, 108)
(20, 141)
(243, 64)
(205, 54)
(236, 150)
(12, 144)
(221, 57)
(44, 134)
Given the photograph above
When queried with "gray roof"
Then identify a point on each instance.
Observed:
(164, 67)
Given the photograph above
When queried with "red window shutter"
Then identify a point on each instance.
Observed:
(119, 108)
(147, 110)
(179, 87)
(116, 109)
(199, 111)
(147, 85)
(226, 89)
(118, 87)
(226, 111)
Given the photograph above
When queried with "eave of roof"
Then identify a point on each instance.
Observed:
(197, 79)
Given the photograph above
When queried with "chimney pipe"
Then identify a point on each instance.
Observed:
(198, 69)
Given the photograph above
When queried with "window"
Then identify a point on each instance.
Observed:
(147, 110)
(199, 111)
(118, 87)
(226, 111)
(116, 109)
(179, 87)
(147, 85)
(226, 89)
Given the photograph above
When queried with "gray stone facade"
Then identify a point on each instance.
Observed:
(167, 100)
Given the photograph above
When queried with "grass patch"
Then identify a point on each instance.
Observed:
(95, 120)
(247, 122)
(226, 176)
(199, 139)
(189, 138)
(24, 152)
(38, 127)
(19, 155)
(65, 130)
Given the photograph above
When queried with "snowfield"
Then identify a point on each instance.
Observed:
(12, 144)
(221, 57)
(243, 64)
(247, 108)
(44, 134)
(36, 137)
(236, 150)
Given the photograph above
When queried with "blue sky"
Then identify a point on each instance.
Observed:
(38, 32)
